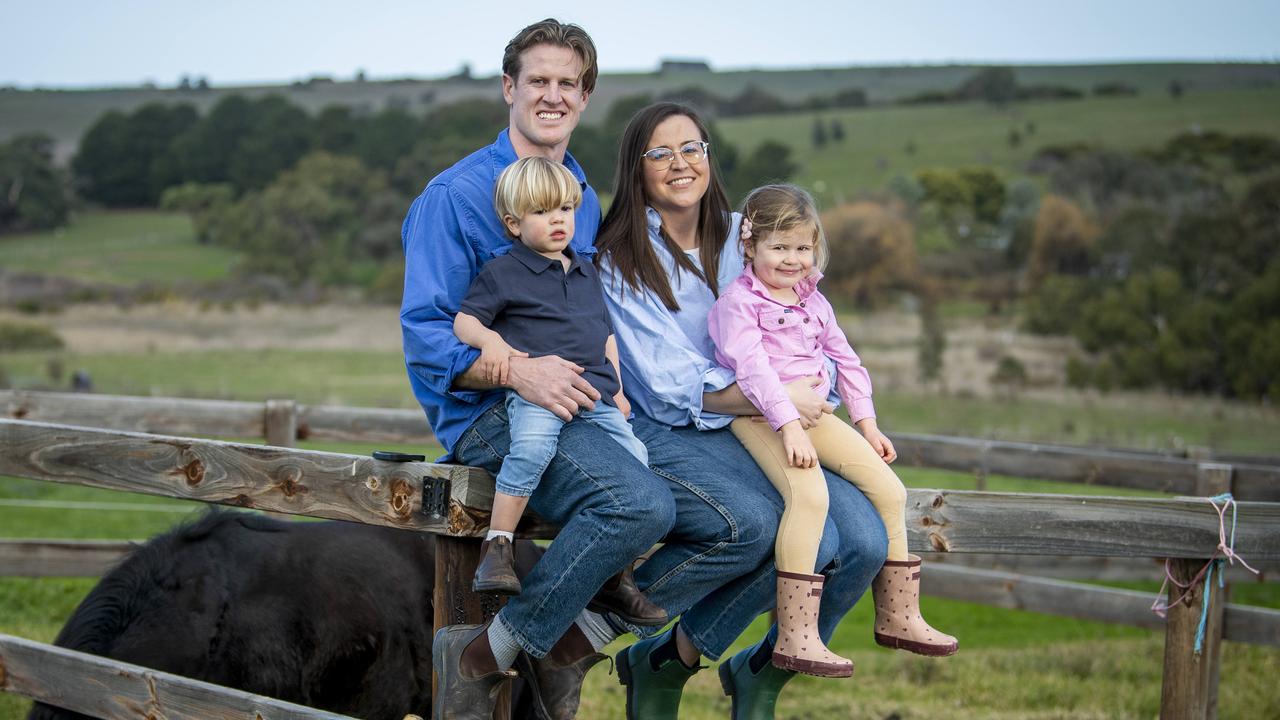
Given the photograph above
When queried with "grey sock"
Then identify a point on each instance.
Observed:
(503, 644)
(598, 630)
(499, 533)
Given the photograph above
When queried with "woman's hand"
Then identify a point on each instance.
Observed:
(878, 441)
(809, 404)
(798, 446)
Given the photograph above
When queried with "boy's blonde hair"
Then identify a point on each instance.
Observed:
(779, 208)
(532, 184)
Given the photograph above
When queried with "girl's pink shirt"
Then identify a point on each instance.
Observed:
(768, 344)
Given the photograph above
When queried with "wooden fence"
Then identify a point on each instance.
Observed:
(452, 503)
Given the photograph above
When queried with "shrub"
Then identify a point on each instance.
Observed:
(15, 336)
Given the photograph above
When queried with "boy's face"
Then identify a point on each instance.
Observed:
(546, 232)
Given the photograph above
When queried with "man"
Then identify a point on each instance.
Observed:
(610, 507)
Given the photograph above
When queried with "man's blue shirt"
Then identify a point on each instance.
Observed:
(451, 231)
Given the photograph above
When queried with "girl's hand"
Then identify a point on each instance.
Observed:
(809, 404)
(495, 361)
(798, 446)
(879, 442)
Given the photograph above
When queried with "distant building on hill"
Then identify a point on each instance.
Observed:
(677, 65)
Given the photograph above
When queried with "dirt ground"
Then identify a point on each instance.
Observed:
(885, 340)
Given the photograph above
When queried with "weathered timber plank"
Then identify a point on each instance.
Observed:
(113, 690)
(1085, 567)
(1038, 524)
(299, 482)
(1064, 463)
(1183, 690)
(60, 558)
(327, 422)
(1013, 591)
(209, 418)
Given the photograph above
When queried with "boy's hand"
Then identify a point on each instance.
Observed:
(624, 405)
(798, 446)
(495, 361)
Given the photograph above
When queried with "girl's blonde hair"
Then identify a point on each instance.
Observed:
(780, 208)
(534, 184)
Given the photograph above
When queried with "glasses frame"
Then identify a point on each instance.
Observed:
(657, 164)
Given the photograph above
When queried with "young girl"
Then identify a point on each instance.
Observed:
(772, 326)
(542, 299)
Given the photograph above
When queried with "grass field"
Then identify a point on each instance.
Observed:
(119, 248)
(875, 148)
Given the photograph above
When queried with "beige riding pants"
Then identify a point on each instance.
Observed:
(842, 450)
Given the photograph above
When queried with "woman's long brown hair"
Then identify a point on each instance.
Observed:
(624, 237)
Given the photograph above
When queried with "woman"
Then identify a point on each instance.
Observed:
(667, 247)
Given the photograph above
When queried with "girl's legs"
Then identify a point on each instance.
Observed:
(804, 491)
(897, 588)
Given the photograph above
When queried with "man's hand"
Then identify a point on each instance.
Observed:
(798, 446)
(809, 404)
(878, 441)
(494, 361)
(552, 383)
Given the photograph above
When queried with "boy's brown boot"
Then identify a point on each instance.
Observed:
(799, 648)
(496, 572)
(621, 596)
(898, 621)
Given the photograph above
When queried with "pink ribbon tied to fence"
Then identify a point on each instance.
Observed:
(1225, 549)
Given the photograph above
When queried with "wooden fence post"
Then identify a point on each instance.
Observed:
(281, 423)
(455, 603)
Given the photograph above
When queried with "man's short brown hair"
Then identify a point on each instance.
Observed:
(553, 32)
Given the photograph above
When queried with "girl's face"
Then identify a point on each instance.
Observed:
(680, 185)
(783, 258)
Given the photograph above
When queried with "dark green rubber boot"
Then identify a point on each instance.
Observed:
(753, 695)
(652, 694)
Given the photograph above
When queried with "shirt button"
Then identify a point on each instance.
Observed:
(781, 321)
(806, 319)
(801, 303)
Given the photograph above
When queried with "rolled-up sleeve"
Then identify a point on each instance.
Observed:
(735, 328)
(439, 268)
(665, 375)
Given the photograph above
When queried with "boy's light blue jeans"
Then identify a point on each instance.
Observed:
(535, 434)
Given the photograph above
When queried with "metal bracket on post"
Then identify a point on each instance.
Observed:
(435, 497)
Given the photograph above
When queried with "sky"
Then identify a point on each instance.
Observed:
(89, 43)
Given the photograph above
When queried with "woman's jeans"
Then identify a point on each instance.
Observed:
(706, 497)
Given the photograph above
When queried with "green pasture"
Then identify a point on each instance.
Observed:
(119, 248)
(377, 379)
(883, 142)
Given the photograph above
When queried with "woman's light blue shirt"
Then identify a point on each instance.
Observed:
(668, 359)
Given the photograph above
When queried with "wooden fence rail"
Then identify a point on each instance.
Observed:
(104, 688)
(282, 421)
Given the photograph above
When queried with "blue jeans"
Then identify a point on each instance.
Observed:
(610, 509)
(716, 570)
(535, 432)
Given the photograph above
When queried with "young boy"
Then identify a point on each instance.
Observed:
(542, 299)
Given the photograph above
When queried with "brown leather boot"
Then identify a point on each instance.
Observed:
(556, 679)
(496, 573)
(620, 596)
(799, 648)
(898, 621)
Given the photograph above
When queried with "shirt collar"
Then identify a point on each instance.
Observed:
(504, 154)
(537, 262)
(804, 288)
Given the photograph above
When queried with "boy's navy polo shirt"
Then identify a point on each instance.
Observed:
(539, 308)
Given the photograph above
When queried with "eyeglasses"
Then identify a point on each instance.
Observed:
(660, 158)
